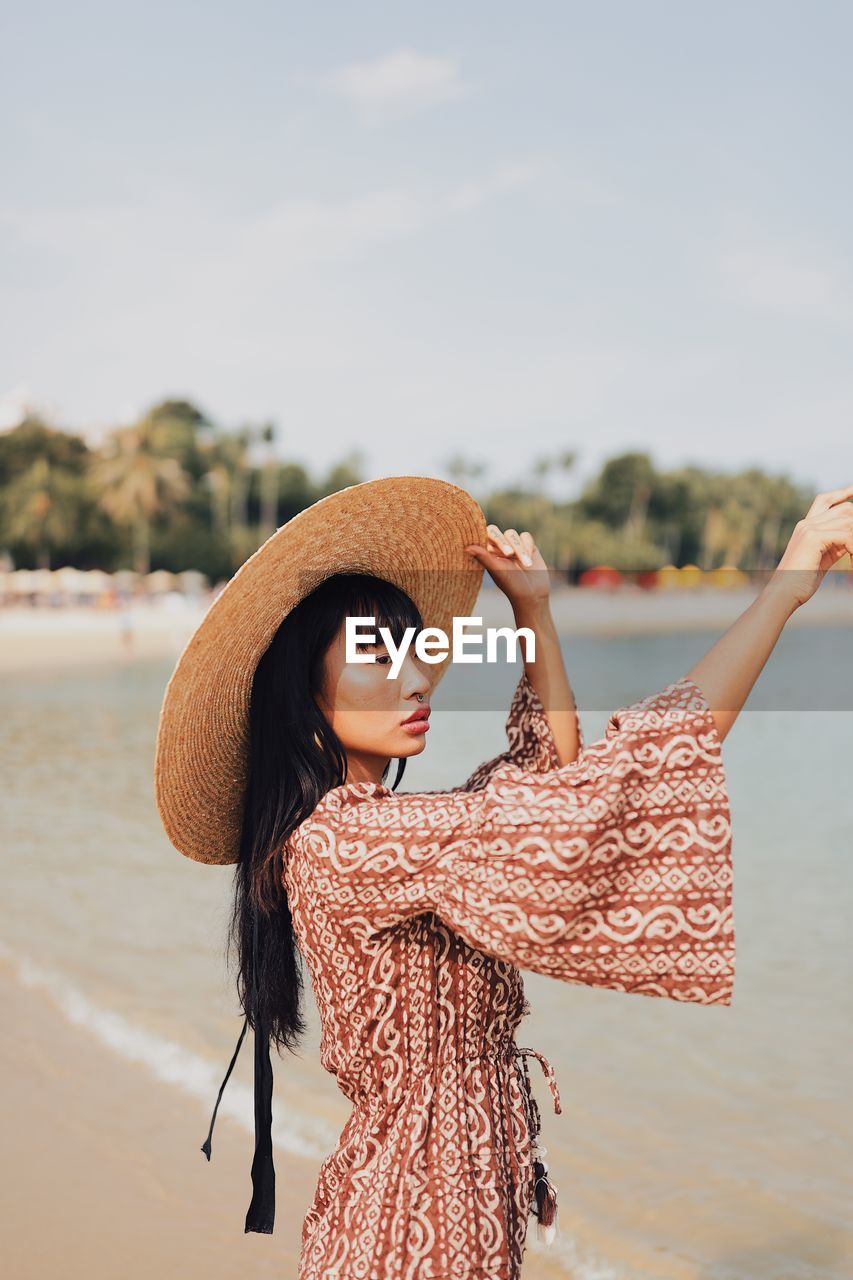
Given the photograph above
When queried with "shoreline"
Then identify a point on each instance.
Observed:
(44, 638)
(102, 1173)
(111, 1156)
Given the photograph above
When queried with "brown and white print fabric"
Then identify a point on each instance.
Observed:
(416, 911)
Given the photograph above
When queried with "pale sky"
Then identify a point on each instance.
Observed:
(415, 230)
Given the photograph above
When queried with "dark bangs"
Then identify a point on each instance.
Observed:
(363, 595)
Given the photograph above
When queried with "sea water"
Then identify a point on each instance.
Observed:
(694, 1141)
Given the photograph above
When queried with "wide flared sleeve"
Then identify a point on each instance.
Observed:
(530, 739)
(614, 870)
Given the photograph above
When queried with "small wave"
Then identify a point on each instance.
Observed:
(173, 1065)
(170, 1063)
(579, 1265)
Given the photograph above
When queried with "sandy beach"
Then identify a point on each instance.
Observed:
(33, 638)
(110, 1159)
(99, 1150)
(103, 1174)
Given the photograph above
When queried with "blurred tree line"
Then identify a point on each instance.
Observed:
(175, 491)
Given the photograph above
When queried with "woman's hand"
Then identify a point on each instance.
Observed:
(514, 561)
(821, 538)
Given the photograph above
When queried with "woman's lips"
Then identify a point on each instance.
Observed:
(416, 726)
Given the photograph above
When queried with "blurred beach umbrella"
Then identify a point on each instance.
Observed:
(192, 583)
(43, 580)
(71, 583)
(727, 576)
(160, 581)
(22, 582)
(690, 575)
(98, 582)
(601, 575)
(69, 579)
(34, 583)
(125, 580)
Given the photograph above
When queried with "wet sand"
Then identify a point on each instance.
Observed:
(102, 1174)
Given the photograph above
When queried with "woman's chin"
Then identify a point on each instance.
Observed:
(412, 746)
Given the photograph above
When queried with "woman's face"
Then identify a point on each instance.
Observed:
(366, 708)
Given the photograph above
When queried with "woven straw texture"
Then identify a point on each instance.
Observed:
(410, 530)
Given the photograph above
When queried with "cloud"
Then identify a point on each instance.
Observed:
(300, 232)
(17, 403)
(506, 177)
(138, 252)
(782, 279)
(404, 80)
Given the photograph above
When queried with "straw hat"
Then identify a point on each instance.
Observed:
(410, 530)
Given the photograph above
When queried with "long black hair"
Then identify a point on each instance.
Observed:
(294, 758)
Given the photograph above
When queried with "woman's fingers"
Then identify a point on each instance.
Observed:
(510, 542)
(521, 550)
(817, 543)
(530, 545)
(497, 537)
(824, 501)
(506, 543)
(835, 519)
(833, 532)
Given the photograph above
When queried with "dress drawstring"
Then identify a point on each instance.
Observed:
(545, 1192)
(261, 1212)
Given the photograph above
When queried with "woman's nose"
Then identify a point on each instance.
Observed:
(415, 680)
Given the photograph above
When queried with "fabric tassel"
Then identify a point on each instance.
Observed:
(261, 1213)
(545, 1194)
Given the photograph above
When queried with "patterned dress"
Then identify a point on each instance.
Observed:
(414, 913)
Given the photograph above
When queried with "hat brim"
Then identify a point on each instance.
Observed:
(410, 530)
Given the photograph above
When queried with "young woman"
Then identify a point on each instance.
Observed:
(607, 863)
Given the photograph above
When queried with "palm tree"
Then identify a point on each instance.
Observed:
(217, 479)
(555, 536)
(465, 472)
(237, 448)
(41, 508)
(269, 482)
(136, 484)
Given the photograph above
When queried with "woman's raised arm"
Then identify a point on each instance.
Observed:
(517, 567)
(729, 669)
(613, 870)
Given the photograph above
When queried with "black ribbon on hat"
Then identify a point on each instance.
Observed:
(261, 1212)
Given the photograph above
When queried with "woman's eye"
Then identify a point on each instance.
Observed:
(383, 657)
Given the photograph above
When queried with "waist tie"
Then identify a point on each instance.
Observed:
(548, 1071)
(544, 1203)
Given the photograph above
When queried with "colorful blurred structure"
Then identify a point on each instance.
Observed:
(55, 588)
(67, 586)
